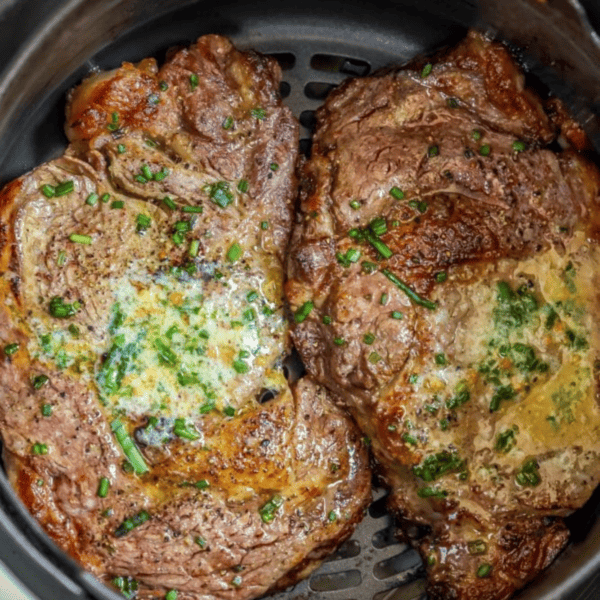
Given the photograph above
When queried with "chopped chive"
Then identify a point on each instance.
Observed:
(251, 296)
(452, 102)
(426, 70)
(234, 253)
(141, 179)
(163, 85)
(219, 193)
(150, 143)
(81, 239)
(476, 134)
(162, 174)
(374, 358)
(409, 439)
(484, 570)
(39, 381)
(384, 298)
(57, 307)
(440, 359)
(183, 226)
(332, 516)
(194, 81)
(353, 255)
(485, 150)
(194, 247)
(228, 122)
(203, 484)
(46, 410)
(519, 146)
(380, 246)
(168, 202)
(326, 320)
(303, 312)
(198, 210)
(267, 511)
(368, 266)
(74, 330)
(396, 314)
(368, 338)
(229, 411)
(182, 430)
(103, 486)
(273, 166)
(121, 148)
(131, 451)
(143, 222)
(61, 259)
(258, 113)
(409, 291)
(117, 204)
(236, 581)
(433, 151)
(240, 366)
(171, 595)
(11, 349)
(441, 277)
(146, 172)
(92, 199)
(354, 204)
(397, 193)
(131, 523)
(338, 341)
(418, 205)
(200, 541)
(66, 187)
(105, 198)
(48, 191)
(378, 226)
(39, 449)
(177, 238)
(114, 117)
(242, 185)
(264, 225)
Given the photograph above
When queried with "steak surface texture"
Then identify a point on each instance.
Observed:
(145, 417)
(444, 277)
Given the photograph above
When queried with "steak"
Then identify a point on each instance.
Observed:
(146, 420)
(443, 272)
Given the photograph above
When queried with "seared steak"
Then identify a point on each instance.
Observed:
(444, 277)
(146, 420)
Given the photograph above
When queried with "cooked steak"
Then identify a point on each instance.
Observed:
(145, 417)
(444, 276)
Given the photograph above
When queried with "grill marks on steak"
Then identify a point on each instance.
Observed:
(484, 447)
(205, 542)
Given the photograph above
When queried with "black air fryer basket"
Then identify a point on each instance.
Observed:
(47, 46)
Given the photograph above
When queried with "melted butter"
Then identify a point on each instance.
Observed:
(191, 346)
(561, 412)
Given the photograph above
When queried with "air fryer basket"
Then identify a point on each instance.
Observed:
(47, 47)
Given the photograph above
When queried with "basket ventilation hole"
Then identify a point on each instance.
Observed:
(414, 590)
(286, 60)
(378, 508)
(349, 549)
(307, 119)
(317, 91)
(384, 538)
(340, 64)
(305, 146)
(405, 561)
(284, 89)
(336, 581)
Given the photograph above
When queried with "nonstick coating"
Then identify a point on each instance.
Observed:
(47, 47)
